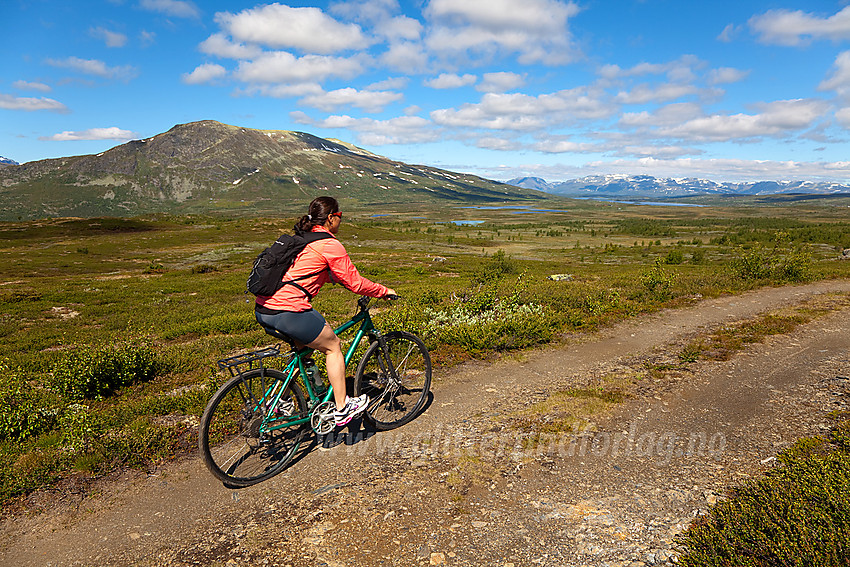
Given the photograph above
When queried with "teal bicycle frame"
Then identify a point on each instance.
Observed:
(272, 397)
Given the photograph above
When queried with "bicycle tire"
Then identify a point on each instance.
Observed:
(389, 406)
(231, 444)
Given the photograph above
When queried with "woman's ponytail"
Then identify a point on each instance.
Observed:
(318, 212)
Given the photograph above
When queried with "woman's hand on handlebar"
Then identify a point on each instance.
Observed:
(391, 294)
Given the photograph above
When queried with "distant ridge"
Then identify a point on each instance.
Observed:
(7, 161)
(642, 186)
(207, 166)
(537, 183)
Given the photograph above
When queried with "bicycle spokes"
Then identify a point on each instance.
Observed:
(396, 375)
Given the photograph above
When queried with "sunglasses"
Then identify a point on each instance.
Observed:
(339, 215)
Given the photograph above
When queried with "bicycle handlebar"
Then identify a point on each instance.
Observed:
(363, 302)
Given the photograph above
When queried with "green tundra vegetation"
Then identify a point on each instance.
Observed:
(796, 514)
(112, 326)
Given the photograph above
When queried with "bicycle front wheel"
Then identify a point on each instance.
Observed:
(243, 436)
(394, 400)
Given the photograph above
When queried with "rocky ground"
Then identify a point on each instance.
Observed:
(461, 485)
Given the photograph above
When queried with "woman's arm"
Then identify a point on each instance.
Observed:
(343, 271)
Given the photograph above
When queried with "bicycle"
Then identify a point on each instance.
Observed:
(254, 425)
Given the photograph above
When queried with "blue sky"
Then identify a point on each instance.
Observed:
(731, 91)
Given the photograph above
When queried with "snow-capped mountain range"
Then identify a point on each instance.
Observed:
(7, 161)
(649, 186)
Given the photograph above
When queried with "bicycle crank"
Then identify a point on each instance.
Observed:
(322, 419)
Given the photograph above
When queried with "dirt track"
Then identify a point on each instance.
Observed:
(452, 488)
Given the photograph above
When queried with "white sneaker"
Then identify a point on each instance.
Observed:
(285, 406)
(352, 408)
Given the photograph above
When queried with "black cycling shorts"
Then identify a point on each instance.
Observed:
(304, 326)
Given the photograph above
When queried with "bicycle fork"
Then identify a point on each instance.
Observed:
(387, 366)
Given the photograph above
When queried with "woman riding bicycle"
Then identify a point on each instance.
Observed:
(289, 309)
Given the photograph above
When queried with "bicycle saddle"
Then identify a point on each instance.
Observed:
(277, 334)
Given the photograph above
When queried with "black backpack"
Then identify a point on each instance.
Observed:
(273, 262)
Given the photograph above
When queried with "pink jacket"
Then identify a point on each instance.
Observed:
(327, 255)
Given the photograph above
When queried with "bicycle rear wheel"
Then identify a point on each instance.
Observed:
(394, 402)
(235, 444)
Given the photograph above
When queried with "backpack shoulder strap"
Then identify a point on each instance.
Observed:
(314, 236)
(308, 238)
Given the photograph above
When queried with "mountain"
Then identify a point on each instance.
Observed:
(643, 186)
(208, 166)
(7, 161)
(536, 183)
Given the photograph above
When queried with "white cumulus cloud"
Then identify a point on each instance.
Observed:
(537, 30)
(204, 74)
(668, 115)
(726, 75)
(451, 81)
(776, 118)
(393, 83)
(786, 27)
(839, 80)
(111, 133)
(283, 67)
(220, 45)
(499, 144)
(279, 26)
(405, 56)
(370, 101)
(384, 17)
(94, 67)
(680, 70)
(10, 102)
(109, 37)
(556, 146)
(500, 82)
(644, 93)
(27, 86)
(399, 130)
(282, 91)
(843, 117)
(517, 111)
(729, 33)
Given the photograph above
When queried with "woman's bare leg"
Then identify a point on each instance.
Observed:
(328, 343)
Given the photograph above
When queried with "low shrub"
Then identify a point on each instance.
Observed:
(81, 429)
(95, 372)
(154, 268)
(503, 326)
(407, 315)
(657, 282)
(495, 267)
(24, 410)
(484, 321)
(203, 269)
(698, 256)
(798, 514)
(20, 295)
(675, 256)
(777, 264)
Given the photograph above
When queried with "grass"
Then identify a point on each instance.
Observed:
(170, 289)
(564, 412)
(729, 339)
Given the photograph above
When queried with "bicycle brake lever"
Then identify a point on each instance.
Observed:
(363, 302)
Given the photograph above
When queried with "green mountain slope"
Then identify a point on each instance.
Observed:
(208, 166)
